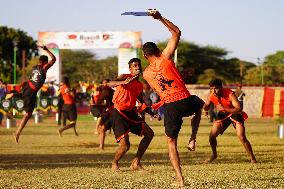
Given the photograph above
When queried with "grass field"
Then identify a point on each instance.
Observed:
(44, 160)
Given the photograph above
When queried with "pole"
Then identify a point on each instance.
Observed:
(261, 70)
(175, 58)
(24, 65)
(241, 72)
(262, 79)
(15, 64)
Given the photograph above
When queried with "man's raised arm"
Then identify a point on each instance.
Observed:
(176, 33)
(53, 58)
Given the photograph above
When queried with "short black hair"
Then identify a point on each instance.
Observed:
(43, 58)
(65, 80)
(216, 83)
(134, 60)
(150, 49)
(107, 80)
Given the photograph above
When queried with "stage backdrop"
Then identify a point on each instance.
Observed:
(126, 42)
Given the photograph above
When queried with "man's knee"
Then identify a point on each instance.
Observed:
(150, 134)
(212, 136)
(102, 129)
(198, 114)
(28, 114)
(127, 146)
(72, 123)
(171, 140)
(242, 138)
(124, 145)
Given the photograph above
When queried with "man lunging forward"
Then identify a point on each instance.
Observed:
(229, 112)
(124, 117)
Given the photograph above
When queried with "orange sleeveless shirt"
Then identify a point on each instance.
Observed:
(225, 99)
(95, 98)
(125, 96)
(67, 97)
(165, 79)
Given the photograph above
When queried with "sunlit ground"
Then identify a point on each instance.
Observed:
(44, 160)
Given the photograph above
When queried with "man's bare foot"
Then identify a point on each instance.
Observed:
(210, 159)
(59, 132)
(16, 137)
(191, 145)
(136, 165)
(101, 147)
(180, 182)
(253, 161)
(115, 166)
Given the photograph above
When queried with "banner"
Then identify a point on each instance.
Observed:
(91, 40)
(124, 55)
(127, 41)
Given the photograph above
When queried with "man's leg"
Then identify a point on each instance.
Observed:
(211, 113)
(240, 129)
(124, 146)
(23, 123)
(75, 131)
(1, 117)
(64, 118)
(71, 124)
(98, 123)
(194, 128)
(102, 135)
(59, 112)
(174, 157)
(148, 136)
(215, 131)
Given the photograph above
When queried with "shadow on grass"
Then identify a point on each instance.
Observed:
(92, 145)
(103, 160)
(39, 161)
(182, 134)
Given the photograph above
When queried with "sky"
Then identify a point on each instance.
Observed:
(247, 29)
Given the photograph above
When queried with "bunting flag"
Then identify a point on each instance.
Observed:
(273, 102)
(281, 107)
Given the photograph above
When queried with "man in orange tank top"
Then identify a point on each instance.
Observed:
(165, 79)
(69, 106)
(124, 116)
(104, 102)
(229, 111)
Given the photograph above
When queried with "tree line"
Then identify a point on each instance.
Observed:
(197, 64)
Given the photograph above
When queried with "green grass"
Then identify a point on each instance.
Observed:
(44, 160)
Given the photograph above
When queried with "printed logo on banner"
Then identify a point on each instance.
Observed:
(72, 36)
